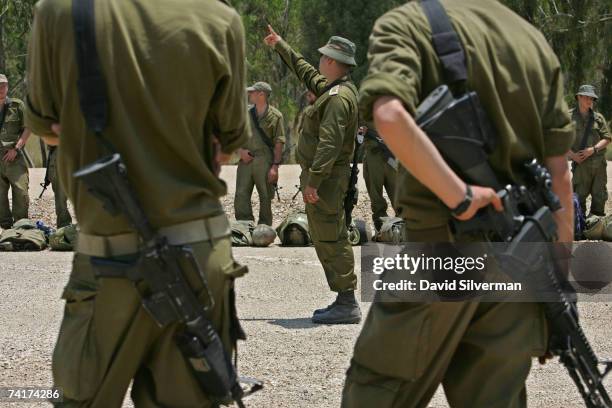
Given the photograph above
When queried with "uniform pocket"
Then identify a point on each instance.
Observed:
(324, 227)
(395, 341)
(75, 358)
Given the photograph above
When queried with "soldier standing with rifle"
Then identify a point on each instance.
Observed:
(13, 167)
(480, 352)
(261, 157)
(379, 172)
(588, 152)
(154, 251)
(324, 152)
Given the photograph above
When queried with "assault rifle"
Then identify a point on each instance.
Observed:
(352, 194)
(170, 298)
(462, 132)
(47, 180)
(371, 134)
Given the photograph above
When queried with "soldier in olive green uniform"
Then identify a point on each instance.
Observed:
(324, 152)
(260, 158)
(379, 171)
(480, 352)
(13, 166)
(588, 152)
(62, 214)
(172, 151)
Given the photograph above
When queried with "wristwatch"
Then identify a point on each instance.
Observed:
(465, 204)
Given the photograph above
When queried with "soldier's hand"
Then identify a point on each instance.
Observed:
(10, 155)
(310, 195)
(585, 154)
(245, 156)
(272, 38)
(273, 174)
(481, 197)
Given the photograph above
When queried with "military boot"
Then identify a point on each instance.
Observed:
(344, 310)
(326, 308)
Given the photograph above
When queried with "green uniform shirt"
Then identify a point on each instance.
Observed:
(13, 124)
(174, 83)
(510, 65)
(598, 132)
(329, 129)
(271, 122)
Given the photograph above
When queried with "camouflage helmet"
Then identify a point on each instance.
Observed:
(263, 235)
(595, 227)
(242, 232)
(607, 230)
(391, 230)
(294, 231)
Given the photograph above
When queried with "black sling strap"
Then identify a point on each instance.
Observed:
(91, 83)
(587, 130)
(446, 42)
(5, 108)
(262, 134)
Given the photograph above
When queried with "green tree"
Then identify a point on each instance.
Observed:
(15, 22)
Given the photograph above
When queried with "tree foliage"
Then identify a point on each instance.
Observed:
(580, 32)
(15, 23)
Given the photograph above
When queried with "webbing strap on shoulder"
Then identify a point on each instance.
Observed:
(446, 42)
(91, 83)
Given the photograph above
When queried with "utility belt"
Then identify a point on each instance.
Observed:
(189, 232)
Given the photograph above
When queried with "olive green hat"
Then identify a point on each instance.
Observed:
(260, 86)
(587, 90)
(340, 49)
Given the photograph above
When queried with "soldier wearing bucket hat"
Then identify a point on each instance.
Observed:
(260, 157)
(324, 152)
(13, 166)
(588, 152)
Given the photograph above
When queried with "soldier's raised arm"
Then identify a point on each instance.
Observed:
(305, 72)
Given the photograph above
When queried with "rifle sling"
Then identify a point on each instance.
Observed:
(262, 134)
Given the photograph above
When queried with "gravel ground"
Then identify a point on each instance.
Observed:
(302, 364)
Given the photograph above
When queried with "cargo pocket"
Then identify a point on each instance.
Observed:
(75, 359)
(324, 227)
(395, 341)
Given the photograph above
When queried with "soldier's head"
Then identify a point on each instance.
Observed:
(3, 87)
(337, 57)
(586, 97)
(259, 93)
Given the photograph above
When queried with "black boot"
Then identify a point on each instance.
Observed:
(345, 310)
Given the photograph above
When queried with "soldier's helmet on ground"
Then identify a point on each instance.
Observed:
(263, 235)
(391, 230)
(359, 232)
(294, 230)
(595, 227)
(242, 231)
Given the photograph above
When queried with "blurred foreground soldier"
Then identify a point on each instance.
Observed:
(588, 152)
(480, 352)
(172, 153)
(324, 152)
(261, 157)
(61, 201)
(13, 166)
(379, 171)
